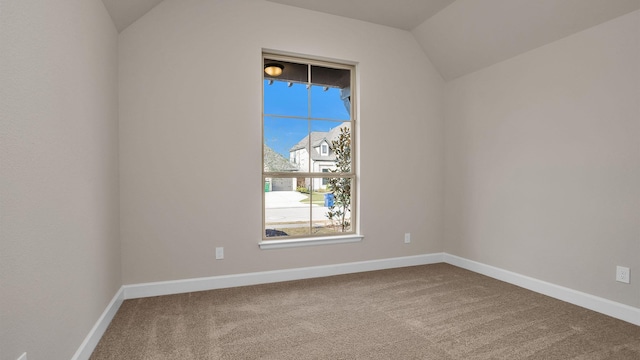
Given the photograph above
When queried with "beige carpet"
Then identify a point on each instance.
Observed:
(423, 312)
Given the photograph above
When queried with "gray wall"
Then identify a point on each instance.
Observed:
(190, 138)
(543, 162)
(59, 246)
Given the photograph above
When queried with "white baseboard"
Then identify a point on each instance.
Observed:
(611, 308)
(228, 281)
(94, 336)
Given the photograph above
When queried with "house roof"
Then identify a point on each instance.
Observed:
(274, 161)
(317, 137)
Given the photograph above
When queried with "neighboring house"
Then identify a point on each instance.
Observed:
(321, 159)
(274, 161)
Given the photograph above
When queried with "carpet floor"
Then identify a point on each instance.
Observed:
(423, 312)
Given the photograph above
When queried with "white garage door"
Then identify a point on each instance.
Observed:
(282, 184)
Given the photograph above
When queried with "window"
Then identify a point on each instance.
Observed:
(308, 154)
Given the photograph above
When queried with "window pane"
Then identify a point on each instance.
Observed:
(330, 133)
(285, 98)
(325, 76)
(330, 93)
(325, 181)
(285, 145)
(327, 103)
(286, 212)
(295, 72)
(336, 206)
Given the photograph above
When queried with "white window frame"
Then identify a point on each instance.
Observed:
(312, 240)
(324, 149)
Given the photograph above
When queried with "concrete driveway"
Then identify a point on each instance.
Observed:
(284, 199)
(282, 207)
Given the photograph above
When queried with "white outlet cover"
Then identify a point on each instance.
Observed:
(219, 253)
(622, 274)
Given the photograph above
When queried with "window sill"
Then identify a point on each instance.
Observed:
(328, 240)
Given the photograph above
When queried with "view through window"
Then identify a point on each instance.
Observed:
(308, 153)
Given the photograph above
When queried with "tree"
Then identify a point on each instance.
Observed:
(341, 187)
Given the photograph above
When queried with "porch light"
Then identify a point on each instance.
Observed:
(273, 69)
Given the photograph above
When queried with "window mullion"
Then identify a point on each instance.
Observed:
(309, 146)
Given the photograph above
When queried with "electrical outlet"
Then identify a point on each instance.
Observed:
(219, 253)
(407, 238)
(622, 274)
(23, 357)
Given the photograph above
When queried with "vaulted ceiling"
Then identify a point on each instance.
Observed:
(401, 14)
(126, 12)
(458, 36)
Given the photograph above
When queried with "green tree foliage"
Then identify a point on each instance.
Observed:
(341, 187)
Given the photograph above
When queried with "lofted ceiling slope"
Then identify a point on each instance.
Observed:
(470, 35)
(126, 12)
(458, 36)
(401, 14)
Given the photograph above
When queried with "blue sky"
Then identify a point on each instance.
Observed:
(279, 99)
